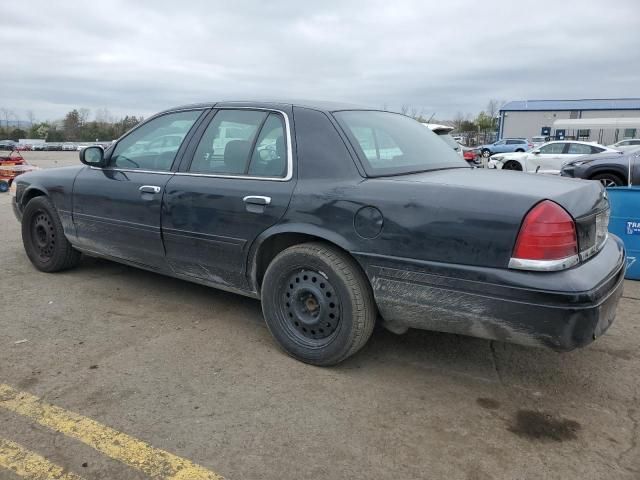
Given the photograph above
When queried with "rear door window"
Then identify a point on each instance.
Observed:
(243, 142)
(579, 149)
(552, 148)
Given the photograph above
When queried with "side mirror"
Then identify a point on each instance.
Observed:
(536, 152)
(93, 156)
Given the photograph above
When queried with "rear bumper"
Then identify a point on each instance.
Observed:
(559, 310)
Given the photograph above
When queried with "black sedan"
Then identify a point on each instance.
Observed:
(336, 217)
(611, 169)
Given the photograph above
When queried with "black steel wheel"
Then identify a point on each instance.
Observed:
(43, 237)
(312, 306)
(318, 303)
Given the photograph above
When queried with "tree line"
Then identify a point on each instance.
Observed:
(76, 126)
(485, 121)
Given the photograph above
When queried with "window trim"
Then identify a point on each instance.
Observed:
(286, 178)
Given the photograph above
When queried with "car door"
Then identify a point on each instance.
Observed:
(235, 181)
(546, 158)
(116, 210)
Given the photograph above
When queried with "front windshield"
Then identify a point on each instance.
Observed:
(393, 144)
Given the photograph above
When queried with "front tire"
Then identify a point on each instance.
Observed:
(486, 153)
(318, 303)
(43, 237)
(608, 180)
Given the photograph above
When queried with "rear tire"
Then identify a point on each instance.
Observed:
(486, 153)
(318, 303)
(608, 180)
(43, 237)
(512, 165)
(519, 150)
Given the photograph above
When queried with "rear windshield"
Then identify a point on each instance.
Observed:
(393, 144)
(449, 140)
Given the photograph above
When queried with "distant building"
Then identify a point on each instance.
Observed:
(528, 118)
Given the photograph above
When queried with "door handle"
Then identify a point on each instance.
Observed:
(149, 189)
(257, 200)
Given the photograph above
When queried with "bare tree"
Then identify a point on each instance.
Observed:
(31, 118)
(6, 114)
(83, 114)
(103, 116)
(458, 120)
(404, 109)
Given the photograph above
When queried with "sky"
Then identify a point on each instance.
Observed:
(438, 57)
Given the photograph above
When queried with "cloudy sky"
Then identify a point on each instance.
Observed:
(440, 57)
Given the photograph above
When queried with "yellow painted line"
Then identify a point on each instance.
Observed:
(29, 465)
(154, 462)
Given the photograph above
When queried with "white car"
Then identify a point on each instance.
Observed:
(626, 144)
(68, 147)
(547, 158)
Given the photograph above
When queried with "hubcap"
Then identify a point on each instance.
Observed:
(43, 236)
(311, 305)
(486, 154)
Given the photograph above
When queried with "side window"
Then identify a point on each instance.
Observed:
(269, 157)
(501, 142)
(597, 150)
(579, 149)
(153, 146)
(225, 147)
(552, 148)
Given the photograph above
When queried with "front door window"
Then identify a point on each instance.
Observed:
(154, 145)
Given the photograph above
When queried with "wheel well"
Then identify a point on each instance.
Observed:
(275, 244)
(519, 150)
(31, 194)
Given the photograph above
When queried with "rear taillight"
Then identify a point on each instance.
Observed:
(547, 239)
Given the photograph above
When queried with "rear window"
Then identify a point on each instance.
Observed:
(449, 140)
(392, 144)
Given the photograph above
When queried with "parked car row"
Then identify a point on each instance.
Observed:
(55, 146)
(547, 158)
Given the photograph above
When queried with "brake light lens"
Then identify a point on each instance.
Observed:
(547, 239)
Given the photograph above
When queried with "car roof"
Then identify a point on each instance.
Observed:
(324, 106)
